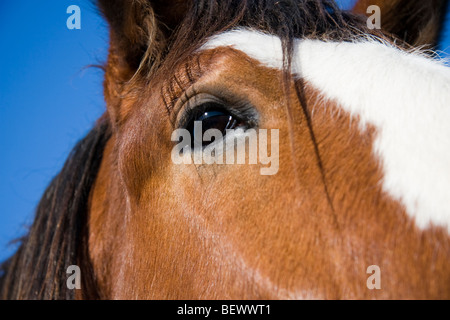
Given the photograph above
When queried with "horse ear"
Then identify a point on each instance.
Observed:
(136, 24)
(417, 22)
(138, 29)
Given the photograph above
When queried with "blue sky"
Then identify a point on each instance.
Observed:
(48, 99)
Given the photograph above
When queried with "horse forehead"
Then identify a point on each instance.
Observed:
(402, 95)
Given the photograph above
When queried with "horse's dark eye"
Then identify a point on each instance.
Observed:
(211, 116)
(217, 120)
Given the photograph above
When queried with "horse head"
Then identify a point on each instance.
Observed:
(341, 162)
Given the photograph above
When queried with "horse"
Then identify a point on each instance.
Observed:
(358, 206)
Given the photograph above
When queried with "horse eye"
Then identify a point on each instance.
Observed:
(212, 116)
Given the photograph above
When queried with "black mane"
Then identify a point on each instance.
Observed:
(55, 240)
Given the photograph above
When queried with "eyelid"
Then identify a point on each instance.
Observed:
(243, 111)
(200, 99)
